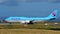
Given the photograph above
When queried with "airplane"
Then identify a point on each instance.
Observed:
(52, 16)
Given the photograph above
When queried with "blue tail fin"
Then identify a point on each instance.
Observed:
(54, 14)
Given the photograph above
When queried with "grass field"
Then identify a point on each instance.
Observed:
(40, 28)
(30, 26)
(27, 31)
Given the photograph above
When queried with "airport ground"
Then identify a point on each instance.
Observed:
(27, 31)
(37, 28)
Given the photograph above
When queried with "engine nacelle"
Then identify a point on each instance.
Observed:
(25, 21)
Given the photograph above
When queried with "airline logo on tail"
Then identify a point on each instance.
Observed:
(53, 14)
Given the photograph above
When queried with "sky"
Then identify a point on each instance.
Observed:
(29, 8)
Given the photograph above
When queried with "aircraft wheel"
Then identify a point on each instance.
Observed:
(31, 22)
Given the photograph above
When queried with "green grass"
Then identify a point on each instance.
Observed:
(50, 26)
(37, 28)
